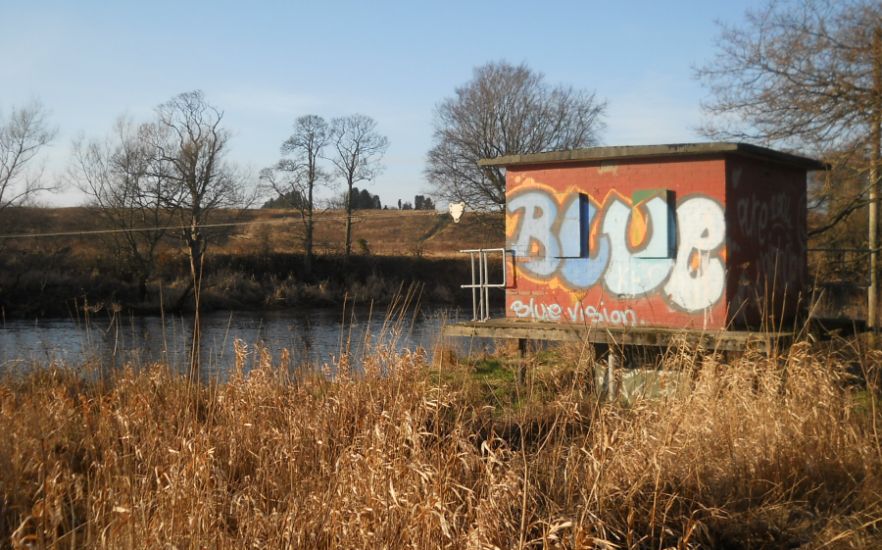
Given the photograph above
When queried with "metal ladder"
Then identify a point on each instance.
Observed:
(480, 285)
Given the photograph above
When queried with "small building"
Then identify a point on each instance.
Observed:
(704, 236)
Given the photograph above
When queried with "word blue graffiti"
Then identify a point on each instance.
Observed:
(640, 248)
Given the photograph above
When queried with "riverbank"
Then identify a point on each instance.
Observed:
(427, 451)
(257, 265)
(59, 288)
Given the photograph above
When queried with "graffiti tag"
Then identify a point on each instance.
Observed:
(576, 313)
(591, 314)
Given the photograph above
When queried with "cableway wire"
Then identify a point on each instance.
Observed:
(319, 217)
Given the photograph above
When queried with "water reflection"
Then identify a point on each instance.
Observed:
(313, 336)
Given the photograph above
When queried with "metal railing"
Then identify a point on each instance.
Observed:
(481, 285)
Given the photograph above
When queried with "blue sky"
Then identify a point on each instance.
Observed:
(266, 63)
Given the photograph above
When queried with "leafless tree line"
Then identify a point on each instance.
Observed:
(348, 149)
(171, 170)
(143, 177)
(807, 75)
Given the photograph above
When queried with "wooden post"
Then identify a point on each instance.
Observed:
(522, 365)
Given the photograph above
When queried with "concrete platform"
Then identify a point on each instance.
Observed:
(725, 340)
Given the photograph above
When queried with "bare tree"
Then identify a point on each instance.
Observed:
(807, 74)
(800, 75)
(23, 134)
(504, 110)
(188, 146)
(300, 173)
(358, 152)
(292, 190)
(118, 177)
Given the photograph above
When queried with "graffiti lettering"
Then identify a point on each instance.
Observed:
(578, 272)
(535, 239)
(628, 248)
(698, 276)
(628, 274)
(536, 311)
(761, 217)
(576, 313)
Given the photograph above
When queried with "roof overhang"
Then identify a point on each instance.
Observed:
(639, 152)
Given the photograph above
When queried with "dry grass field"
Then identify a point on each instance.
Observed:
(423, 450)
(378, 232)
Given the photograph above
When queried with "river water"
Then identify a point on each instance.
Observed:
(311, 336)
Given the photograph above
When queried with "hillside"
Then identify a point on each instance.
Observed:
(377, 232)
(384, 232)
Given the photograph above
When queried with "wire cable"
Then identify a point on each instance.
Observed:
(319, 217)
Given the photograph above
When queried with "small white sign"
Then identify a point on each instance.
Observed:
(456, 209)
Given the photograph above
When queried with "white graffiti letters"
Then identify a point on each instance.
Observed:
(537, 312)
(577, 313)
(628, 274)
(539, 214)
(699, 276)
(631, 254)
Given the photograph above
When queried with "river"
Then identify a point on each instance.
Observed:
(312, 336)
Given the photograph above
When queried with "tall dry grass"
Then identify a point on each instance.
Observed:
(761, 453)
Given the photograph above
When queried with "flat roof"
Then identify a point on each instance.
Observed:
(633, 152)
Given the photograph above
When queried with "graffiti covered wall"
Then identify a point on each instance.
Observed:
(632, 243)
(767, 241)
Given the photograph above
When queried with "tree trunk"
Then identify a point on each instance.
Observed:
(142, 289)
(307, 263)
(195, 244)
(348, 246)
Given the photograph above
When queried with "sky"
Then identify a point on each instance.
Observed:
(267, 63)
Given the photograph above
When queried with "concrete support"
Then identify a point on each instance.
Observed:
(522, 364)
(614, 363)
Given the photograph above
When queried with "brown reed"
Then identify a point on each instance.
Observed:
(409, 453)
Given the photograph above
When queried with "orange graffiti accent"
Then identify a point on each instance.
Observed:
(536, 248)
(637, 228)
(694, 262)
(594, 235)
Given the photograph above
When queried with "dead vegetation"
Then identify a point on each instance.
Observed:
(421, 452)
